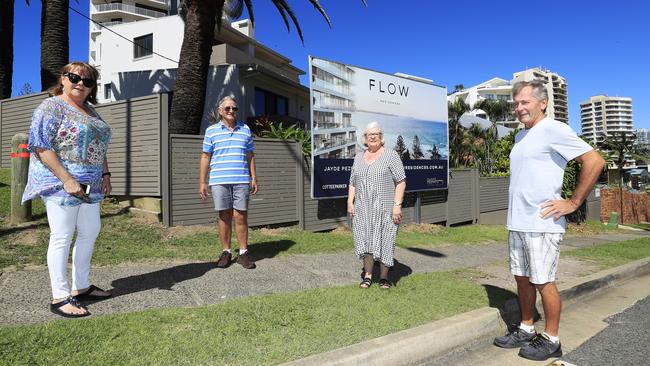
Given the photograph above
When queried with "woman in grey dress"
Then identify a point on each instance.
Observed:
(375, 195)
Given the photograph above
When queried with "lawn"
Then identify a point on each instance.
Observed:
(258, 330)
(612, 255)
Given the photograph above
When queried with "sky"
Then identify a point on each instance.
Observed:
(599, 47)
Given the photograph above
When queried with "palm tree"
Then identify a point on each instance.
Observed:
(55, 43)
(200, 17)
(618, 145)
(7, 50)
(455, 110)
(475, 140)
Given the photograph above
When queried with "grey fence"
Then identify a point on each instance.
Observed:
(134, 153)
(147, 161)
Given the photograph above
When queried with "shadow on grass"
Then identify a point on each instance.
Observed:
(427, 252)
(163, 279)
(270, 249)
(508, 304)
(35, 223)
(395, 274)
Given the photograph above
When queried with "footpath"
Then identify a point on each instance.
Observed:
(24, 295)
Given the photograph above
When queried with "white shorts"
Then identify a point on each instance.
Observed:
(534, 255)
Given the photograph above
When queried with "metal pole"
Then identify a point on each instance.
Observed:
(418, 207)
(19, 167)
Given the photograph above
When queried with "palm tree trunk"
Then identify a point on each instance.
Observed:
(7, 49)
(191, 80)
(55, 46)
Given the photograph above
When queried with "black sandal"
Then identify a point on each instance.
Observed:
(366, 283)
(385, 284)
(56, 308)
(88, 294)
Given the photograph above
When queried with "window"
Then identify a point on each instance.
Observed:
(107, 91)
(268, 103)
(143, 46)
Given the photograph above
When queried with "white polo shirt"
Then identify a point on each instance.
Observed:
(537, 163)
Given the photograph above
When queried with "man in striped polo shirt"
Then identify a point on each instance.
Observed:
(228, 156)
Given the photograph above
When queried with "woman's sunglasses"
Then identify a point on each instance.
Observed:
(75, 79)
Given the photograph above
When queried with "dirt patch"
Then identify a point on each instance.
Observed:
(184, 231)
(274, 231)
(342, 230)
(498, 274)
(422, 228)
(29, 237)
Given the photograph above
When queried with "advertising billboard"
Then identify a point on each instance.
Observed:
(412, 115)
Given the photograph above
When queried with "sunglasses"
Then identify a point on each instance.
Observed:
(75, 79)
(228, 109)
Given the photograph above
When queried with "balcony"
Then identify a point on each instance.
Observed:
(97, 28)
(130, 9)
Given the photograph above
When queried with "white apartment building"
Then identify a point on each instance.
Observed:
(112, 12)
(602, 115)
(264, 82)
(501, 89)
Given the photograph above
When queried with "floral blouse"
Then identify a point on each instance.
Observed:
(81, 143)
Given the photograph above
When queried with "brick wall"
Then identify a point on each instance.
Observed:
(636, 206)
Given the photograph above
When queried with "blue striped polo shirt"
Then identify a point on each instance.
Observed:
(228, 164)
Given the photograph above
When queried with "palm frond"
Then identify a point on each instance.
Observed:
(293, 17)
(249, 9)
(233, 8)
(284, 16)
(320, 9)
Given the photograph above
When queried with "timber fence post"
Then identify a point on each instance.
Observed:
(19, 166)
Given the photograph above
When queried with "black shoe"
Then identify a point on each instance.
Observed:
(224, 260)
(246, 260)
(541, 348)
(515, 339)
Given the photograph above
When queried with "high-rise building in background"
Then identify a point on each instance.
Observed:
(603, 115)
(642, 138)
(501, 89)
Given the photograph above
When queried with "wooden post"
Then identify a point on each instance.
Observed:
(19, 166)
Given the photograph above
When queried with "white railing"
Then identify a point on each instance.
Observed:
(130, 9)
(100, 26)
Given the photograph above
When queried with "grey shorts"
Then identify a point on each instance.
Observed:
(227, 196)
(534, 255)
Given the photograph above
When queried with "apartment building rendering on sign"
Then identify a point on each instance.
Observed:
(333, 104)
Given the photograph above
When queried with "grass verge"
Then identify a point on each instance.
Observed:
(612, 255)
(259, 330)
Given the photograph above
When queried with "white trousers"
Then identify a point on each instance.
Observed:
(63, 221)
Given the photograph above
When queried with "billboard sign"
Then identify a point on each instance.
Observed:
(412, 114)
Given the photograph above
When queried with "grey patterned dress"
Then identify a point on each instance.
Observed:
(372, 223)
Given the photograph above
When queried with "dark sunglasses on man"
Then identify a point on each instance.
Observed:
(229, 108)
(75, 79)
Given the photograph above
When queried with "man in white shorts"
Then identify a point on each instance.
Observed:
(228, 157)
(536, 212)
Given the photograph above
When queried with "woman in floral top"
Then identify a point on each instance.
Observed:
(69, 171)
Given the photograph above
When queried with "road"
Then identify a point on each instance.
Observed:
(624, 342)
(617, 316)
